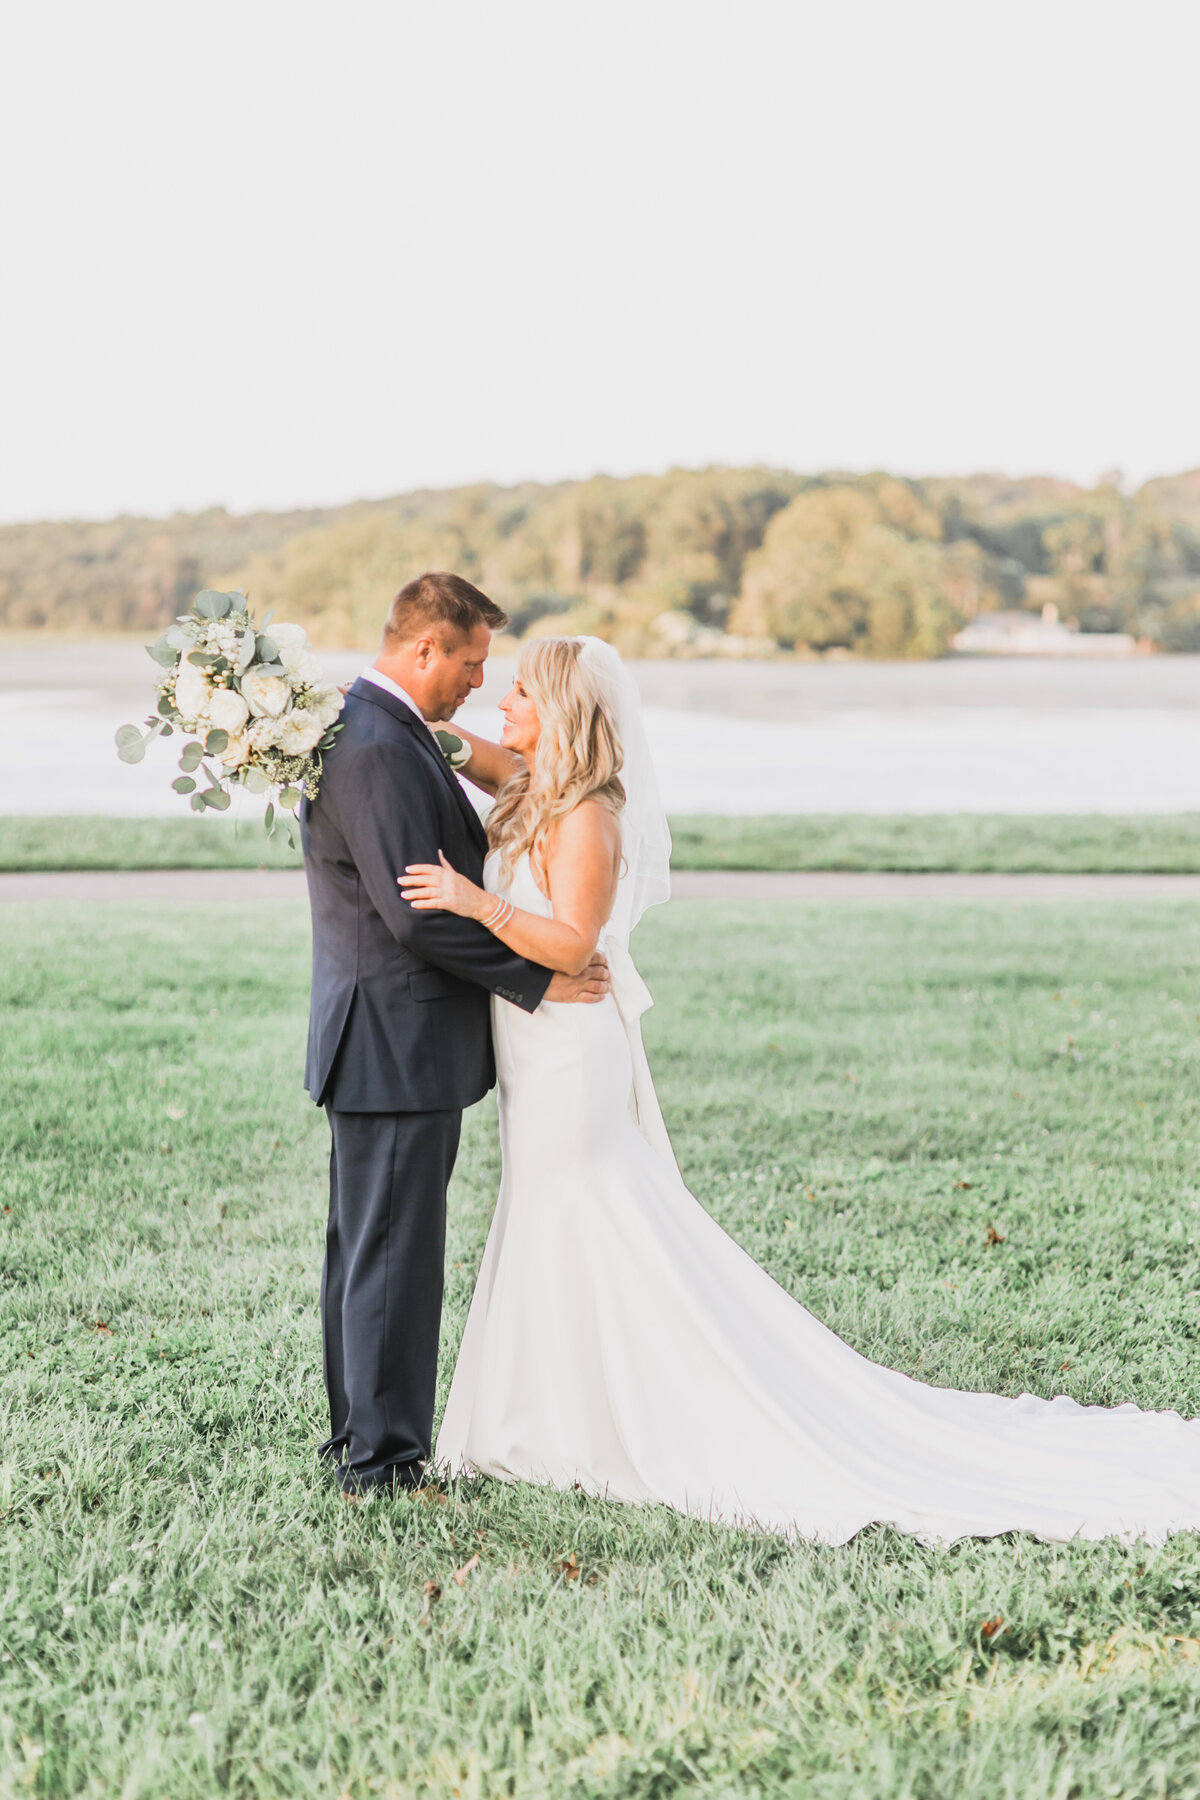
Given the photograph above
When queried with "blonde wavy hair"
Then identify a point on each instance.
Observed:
(578, 756)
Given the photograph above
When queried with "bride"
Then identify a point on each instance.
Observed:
(617, 1339)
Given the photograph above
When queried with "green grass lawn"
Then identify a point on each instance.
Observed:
(1061, 845)
(188, 1610)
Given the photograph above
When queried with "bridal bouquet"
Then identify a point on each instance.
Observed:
(251, 700)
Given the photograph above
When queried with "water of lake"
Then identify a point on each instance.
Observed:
(955, 736)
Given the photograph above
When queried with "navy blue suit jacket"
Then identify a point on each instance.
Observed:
(401, 1013)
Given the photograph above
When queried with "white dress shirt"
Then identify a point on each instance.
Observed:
(393, 687)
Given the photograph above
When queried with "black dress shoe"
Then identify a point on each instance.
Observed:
(398, 1478)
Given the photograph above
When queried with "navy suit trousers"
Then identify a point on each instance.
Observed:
(381, 1289)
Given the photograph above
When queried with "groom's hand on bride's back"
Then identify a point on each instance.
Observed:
(592, 985)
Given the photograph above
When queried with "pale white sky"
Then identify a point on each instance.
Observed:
(270, 252)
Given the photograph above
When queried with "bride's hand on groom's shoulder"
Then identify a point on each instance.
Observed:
(594, 984)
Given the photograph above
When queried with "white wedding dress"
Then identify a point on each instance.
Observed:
(620, 1341)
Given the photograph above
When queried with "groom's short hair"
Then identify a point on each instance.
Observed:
(438, 599)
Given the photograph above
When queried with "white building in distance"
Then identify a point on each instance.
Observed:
(1034, 634)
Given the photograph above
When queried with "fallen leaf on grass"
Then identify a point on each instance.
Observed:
(468, 1569)
(990, 1627)
(567, 1567)
(993, 1236)
(962, 1186)
(433, 1592)
(101, 1329)
(1063, 1367)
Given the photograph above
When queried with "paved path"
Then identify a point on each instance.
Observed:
(184, 886)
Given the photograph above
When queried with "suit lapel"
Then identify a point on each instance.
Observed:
(367, 690)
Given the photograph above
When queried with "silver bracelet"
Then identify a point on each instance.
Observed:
(499, 918)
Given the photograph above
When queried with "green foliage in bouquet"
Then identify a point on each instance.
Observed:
(251, 701)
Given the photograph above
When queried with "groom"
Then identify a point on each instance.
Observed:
(399, 1034)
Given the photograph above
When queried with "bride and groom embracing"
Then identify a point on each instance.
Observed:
(618, 1340)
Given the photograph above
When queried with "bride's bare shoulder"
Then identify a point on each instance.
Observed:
(589, 822)
(590, 832)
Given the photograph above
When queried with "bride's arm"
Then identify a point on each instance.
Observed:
(582, 865)
(490, 765)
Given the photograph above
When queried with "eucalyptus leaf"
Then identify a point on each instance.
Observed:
(274, 668)
(210, 604)
(216, 741)
(455, 751)
(218, 799)
(131, 746)
(191, 758)
(255, 782)
(266, 649)
(178, 638)
(163, 651)
(197, 802)
(166, 706)
(269, 817)
(166, 730)
(183, 784)
(268, 618)
(202, 659)
(290, 797)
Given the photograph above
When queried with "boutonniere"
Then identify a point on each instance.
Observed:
(456, 753)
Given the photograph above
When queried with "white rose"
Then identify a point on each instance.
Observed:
(236, 751)
(301, 665)
(227, 710)
(264, 733)
(327, 703)
(191, 690)
(266, 695)
(299, 732)
(288, 637)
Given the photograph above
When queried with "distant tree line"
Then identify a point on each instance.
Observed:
(705, 562)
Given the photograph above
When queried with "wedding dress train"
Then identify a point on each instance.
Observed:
(620, 1341)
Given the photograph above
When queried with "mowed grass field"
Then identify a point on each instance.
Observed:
(869, 1099)
(1167, 843)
